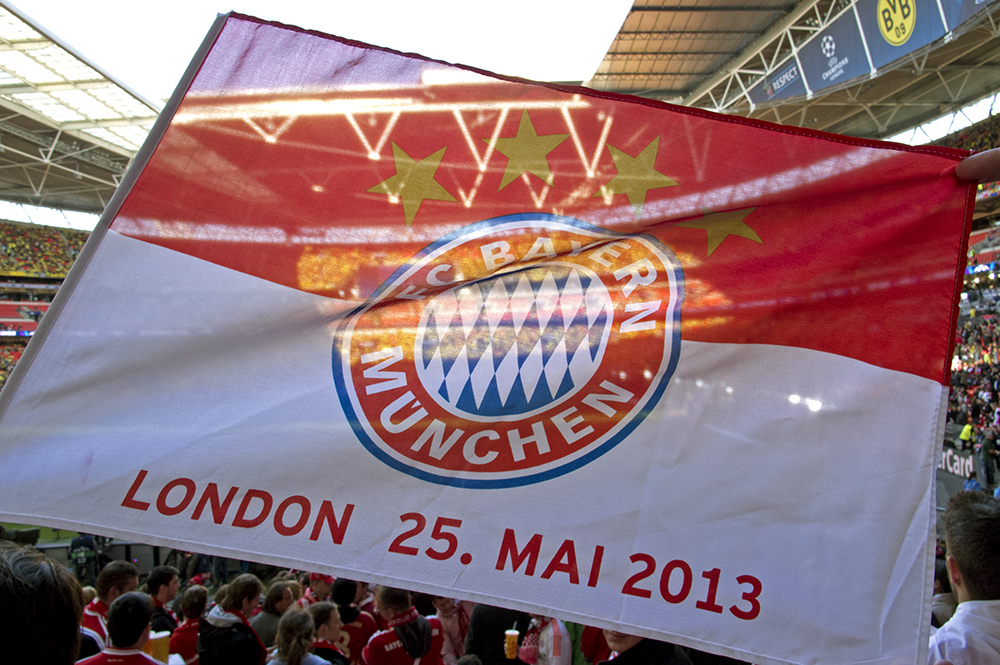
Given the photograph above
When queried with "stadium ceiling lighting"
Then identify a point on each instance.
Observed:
(49, 82)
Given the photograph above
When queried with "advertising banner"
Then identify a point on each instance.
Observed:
(894, 28)
(835, 55)
(785, 81)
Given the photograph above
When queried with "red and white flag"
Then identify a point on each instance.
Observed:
(642, 366)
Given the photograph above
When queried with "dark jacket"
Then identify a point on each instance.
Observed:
(228, 644)
(163, 621)
(651, 652)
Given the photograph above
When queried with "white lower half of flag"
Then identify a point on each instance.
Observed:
(773, 496)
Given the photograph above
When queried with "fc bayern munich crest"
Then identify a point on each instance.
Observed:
(511, 351)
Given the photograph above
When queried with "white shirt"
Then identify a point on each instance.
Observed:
(554, 644)
(971, 637)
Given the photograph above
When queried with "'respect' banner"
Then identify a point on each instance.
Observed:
(364, 313)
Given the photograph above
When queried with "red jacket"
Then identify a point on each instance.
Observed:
(95, 621)
(184, 641)
(387, 647)
(355, 635)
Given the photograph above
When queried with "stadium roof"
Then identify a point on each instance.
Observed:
(710, 53)
(67, 129)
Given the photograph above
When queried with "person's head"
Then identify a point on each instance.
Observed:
(321, 585)
(443, 605)
(621, 642)
(362, 591)
(941, 582)
(163, 583)
(972, 528)
(297, 589)
(391, 601)
(42, 605)
(327, 620)
(89, 593)
(129, 620)
(117, 578)
(469, 659)
(243, 595)
(343, 594)
(220, 595)
(193, 601)
(295, 635)
(279, 598)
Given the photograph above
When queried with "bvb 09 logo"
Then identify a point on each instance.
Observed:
(511, 351)
(896, 20)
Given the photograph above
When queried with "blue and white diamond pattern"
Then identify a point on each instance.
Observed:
(514, 343)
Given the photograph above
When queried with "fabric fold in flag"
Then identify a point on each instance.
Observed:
(624, 363)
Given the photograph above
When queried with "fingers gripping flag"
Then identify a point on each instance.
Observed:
(641, 366)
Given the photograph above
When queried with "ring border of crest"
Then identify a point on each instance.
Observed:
(652, 396)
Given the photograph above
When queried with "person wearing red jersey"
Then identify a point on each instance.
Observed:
(357, 626)
(184, 640)
(409, 638)
(129, 623)
(319, 589)
(117, 579)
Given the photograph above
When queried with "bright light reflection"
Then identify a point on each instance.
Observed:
(729, 389)
(794, 399)
(699, 383)
(453, 76)
(949, 124)
(814, 404)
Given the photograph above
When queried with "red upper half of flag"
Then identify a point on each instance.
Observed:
(325, 165)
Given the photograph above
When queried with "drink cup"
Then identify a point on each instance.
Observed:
(510, 644)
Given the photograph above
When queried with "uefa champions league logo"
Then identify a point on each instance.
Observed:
(829, 46)
(511, 351)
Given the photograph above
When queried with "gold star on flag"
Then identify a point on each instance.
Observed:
(526, 153)
(721, 225)
(636, 175)
(414, 181)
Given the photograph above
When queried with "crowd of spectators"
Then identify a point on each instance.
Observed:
(981, 136)
(9, 356)
(30, 255)
(296, 618)
(38, 251)
(974, 402)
